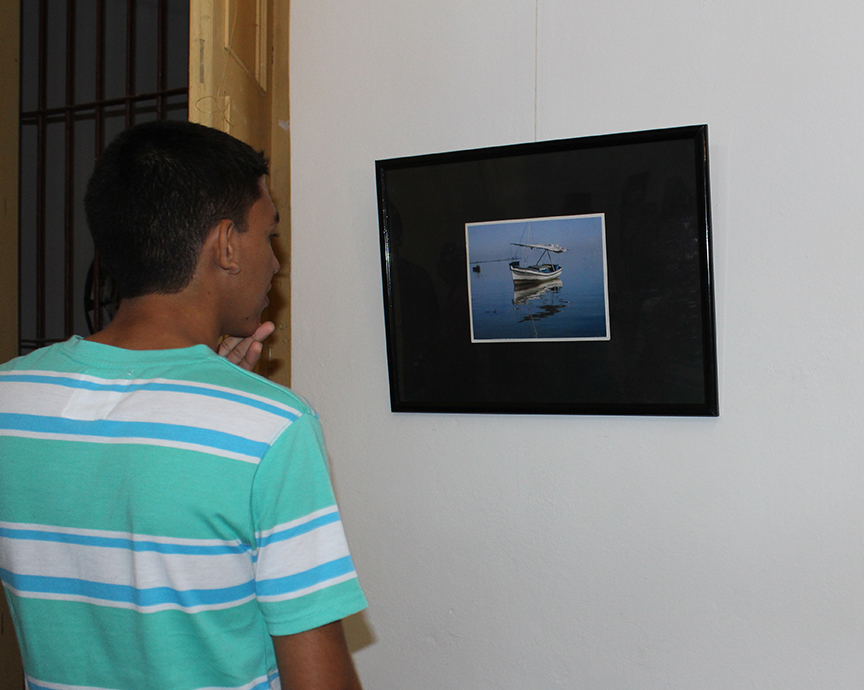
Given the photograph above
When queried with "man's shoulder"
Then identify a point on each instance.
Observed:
(220, 371)
(194, 368)
(44, 358)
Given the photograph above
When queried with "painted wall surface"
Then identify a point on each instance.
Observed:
(592, 552)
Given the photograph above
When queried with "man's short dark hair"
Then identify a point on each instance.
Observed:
(155, 194)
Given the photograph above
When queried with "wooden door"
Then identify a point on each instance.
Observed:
(11, 675)
(238, 82)
(9, 77)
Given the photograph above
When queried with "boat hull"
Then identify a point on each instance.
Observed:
(534, 274)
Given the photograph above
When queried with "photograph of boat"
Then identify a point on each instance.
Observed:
(538, 271)
(538, 279)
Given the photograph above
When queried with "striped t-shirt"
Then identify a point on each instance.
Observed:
(162, 514)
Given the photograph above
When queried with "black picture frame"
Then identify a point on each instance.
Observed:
(658, 355)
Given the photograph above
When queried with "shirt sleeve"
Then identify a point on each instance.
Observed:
(304, 575)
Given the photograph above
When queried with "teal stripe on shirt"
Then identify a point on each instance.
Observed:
(145, 430)
(151, 386)
(63, 587)
(122, 543)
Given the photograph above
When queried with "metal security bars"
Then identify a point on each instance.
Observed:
(89, 69)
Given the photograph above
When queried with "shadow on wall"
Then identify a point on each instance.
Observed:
(358, 632)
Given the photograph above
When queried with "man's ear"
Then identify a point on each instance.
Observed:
(226, 246)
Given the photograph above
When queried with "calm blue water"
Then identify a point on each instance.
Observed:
(570, 307)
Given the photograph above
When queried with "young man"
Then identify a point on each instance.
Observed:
(166, 517)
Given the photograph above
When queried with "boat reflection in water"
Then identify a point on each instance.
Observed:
(525, 292)
(537, 301)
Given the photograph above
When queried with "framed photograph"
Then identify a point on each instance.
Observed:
(560, 277)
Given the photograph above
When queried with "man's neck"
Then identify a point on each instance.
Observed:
(159, 322)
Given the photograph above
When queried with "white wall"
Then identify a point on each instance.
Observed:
(642, 552)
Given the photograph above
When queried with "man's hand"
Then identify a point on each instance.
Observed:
(245, 352)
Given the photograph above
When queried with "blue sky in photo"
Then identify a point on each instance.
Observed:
(581, 235)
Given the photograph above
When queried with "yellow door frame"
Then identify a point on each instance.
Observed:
(238, 82)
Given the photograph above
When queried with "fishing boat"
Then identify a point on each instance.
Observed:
(539, 271)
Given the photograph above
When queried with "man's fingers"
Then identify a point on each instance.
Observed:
(246, 351)
(253, 354)
(263, 331)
